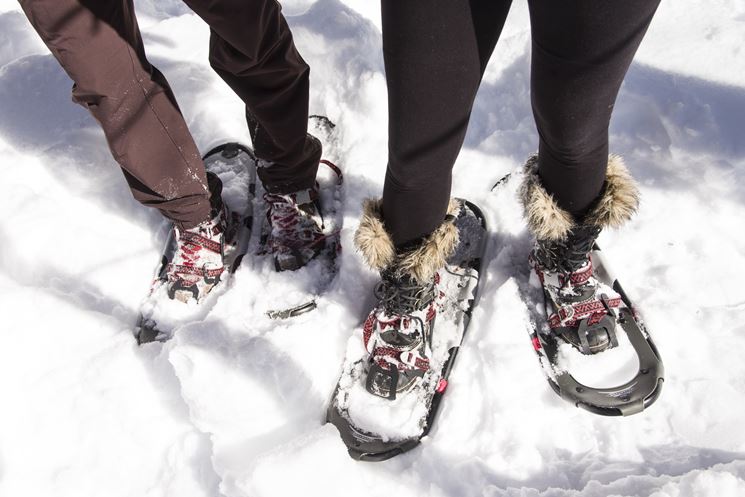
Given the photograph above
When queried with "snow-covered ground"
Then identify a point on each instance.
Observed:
(233, 405)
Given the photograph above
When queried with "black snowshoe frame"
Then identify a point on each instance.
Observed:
(629, 398)
(623, 400)
(365, 446)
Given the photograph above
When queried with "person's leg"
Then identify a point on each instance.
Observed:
(252, 49)
(98, 43)
(581, 52)
(573, 189)
(435, 54)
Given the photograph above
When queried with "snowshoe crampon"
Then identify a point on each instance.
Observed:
(375, 428)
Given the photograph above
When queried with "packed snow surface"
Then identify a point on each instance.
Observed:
(234, 404)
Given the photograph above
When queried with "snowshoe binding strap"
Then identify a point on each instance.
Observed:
(396, 342)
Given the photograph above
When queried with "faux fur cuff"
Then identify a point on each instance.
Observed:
(421, 263)
(371, 238)
(620, 198)
(547, 221)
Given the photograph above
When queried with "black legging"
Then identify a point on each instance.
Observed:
(435, 55)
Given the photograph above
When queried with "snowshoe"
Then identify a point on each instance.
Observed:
(397, 366)
(590, 340)
(186, 282)
(301, 230)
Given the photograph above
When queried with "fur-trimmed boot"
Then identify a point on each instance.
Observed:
(580, 309)
(398, 332)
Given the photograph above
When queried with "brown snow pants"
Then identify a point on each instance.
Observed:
(99, 45)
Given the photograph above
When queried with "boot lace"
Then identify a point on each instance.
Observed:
(402, 296)
(569, 255)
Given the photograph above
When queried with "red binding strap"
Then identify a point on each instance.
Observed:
(580, 310)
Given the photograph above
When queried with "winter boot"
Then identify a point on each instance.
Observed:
(197, 263)
(296, 225)
(580, 309)
(398, 332)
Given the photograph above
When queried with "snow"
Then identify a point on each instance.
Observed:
(234, 405)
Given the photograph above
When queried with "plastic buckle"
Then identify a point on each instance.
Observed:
(568, 309)
(292, 311)
(409, 358)
(380, 380)
(607, 323)
(179, 286)
(209, 267)
(606, 303)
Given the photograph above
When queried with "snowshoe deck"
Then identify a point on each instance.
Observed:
(460, 281)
